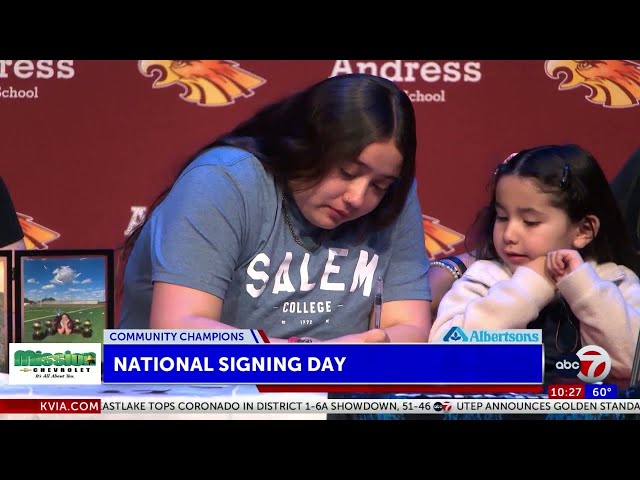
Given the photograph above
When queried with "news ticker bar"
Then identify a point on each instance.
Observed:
(324, 406)
(323, 363)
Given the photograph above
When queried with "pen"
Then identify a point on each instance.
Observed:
(377, 303)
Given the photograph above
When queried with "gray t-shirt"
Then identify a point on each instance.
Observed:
(222, 230)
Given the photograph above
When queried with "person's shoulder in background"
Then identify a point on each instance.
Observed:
(626, 188)
(11, 236)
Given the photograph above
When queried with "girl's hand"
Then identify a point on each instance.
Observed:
(563, 262)
(370, 336)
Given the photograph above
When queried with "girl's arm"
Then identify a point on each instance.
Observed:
(175, 306)
(406, 313)
(486, 297)
(609, 314)
(441, 279)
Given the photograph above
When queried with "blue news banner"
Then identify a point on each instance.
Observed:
(132, 360)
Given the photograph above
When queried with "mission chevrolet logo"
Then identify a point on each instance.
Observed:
(55, 363)
(458, 335)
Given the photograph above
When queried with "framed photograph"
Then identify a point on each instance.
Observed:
(63, 296)
(6, 308)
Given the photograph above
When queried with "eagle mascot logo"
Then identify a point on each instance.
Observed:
(438, 239)
(36, 236)
(613, 83)
(210, 83)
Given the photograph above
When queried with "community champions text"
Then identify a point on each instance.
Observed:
(228, 364)
(151, 336)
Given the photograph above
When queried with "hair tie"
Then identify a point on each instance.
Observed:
(505, 161)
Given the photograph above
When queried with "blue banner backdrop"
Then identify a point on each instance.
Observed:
(347, 364)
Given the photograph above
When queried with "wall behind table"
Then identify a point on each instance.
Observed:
(99, 138)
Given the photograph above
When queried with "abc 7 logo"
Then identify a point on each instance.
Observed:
(442, 406)
(590, 364)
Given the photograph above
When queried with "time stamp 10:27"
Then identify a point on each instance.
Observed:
(588, 391)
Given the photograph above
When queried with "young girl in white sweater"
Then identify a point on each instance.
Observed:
(553, 253)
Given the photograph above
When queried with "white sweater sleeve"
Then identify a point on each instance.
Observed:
(609, 314)
(487, 297)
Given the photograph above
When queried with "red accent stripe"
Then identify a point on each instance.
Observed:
(50, 405)
(263, 336)
(402, 388)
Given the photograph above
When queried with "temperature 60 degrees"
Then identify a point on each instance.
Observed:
(602, 391)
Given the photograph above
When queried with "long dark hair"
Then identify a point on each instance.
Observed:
(578, 186)
(306, 135)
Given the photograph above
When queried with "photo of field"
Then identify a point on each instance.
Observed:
(63, 299)
(37, 318)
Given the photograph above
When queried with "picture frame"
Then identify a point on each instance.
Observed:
(6, 307)
(63, 296)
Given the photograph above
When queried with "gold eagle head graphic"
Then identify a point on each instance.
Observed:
(212, 83)
(613, 83)
(438, 239)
